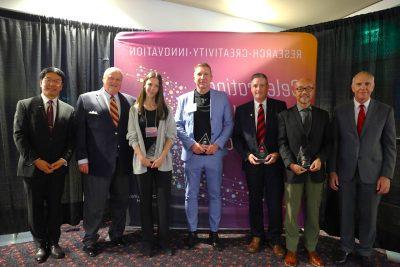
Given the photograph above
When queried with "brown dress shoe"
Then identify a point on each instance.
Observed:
(291, 259)
(278, 250)
(254, 245)
(314, 259)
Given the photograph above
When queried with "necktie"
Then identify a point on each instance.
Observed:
(360, 119)
(114, 111)
(306, 119)
(50, 115)
(260, 134)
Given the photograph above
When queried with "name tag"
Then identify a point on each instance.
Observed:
(151, 131)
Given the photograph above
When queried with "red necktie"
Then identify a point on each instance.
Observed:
(50, 115)
(260, 135)
(114, 111)
(361, 119)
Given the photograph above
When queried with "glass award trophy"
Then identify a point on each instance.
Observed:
(262, 153)
(303, 158)
(204, 141)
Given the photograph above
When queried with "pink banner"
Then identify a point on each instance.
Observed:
(234, 57)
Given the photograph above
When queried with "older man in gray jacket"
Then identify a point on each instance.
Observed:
(362, 164)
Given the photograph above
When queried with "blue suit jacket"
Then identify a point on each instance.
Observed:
(98, 139)
(220, 117)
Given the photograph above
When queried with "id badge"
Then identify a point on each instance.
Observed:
(151, 131)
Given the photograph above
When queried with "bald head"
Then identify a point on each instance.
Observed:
(363, 85)
(304, 91)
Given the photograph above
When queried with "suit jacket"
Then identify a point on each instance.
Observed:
(98, 139)
(373, 153)
(220, 116)
(33, 139)
(292, 135)
(244, 133)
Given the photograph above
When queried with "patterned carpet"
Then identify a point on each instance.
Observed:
(234, 253)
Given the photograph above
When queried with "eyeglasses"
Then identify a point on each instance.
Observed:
(307, 89)
(48, 80)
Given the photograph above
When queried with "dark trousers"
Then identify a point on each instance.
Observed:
(96, 190)
(44, 192)
(357, 198)
(162, 183)
(265, 181)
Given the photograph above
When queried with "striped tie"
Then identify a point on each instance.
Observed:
(260, 135)
(114, 111)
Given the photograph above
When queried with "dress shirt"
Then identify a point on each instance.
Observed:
(357, 108)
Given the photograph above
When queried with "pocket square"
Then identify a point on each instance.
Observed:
(94, 112)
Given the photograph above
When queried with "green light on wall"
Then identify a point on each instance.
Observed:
(370, 36)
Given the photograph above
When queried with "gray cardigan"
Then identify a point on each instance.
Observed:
(166, 129)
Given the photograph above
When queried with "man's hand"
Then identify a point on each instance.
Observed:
(297, 169)
(271, 158)
(84, 168)
(383, 185)
(212, 149)
(252, 159)
(197, 148)
(58, 164)
(158, 162)
(334, 181)
(43, 165)
(316, 165)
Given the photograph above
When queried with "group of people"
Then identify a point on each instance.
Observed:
(286, 155)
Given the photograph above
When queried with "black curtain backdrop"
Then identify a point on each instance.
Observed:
(29, 43)
(368, 42)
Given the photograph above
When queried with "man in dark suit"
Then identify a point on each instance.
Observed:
(43, 134)
(104, 157)
(255, 137)
(362, 164)
(304, 147)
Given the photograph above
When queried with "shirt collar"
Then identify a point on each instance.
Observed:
(366, 103)
(264, 103)
(300, 108)
(46, 99)
(108, 95)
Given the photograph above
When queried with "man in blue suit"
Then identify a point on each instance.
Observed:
(104, 157)
(204, 124)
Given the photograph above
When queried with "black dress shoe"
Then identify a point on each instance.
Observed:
(57, 252)
(215, 241)
(366, 261)
(341, 257)
(91, 250)
(191, 240)
(119, 242)
(41, 254)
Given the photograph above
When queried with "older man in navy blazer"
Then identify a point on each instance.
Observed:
(104, 157)
(204, 124)
(362, 164)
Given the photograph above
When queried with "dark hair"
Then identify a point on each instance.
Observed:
(204, 65)
(162, 109)
(259, 75)
(52, 70)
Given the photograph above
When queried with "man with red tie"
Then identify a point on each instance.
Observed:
(104, 158)
(362, 164)
(43, 134)
(255, 137)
